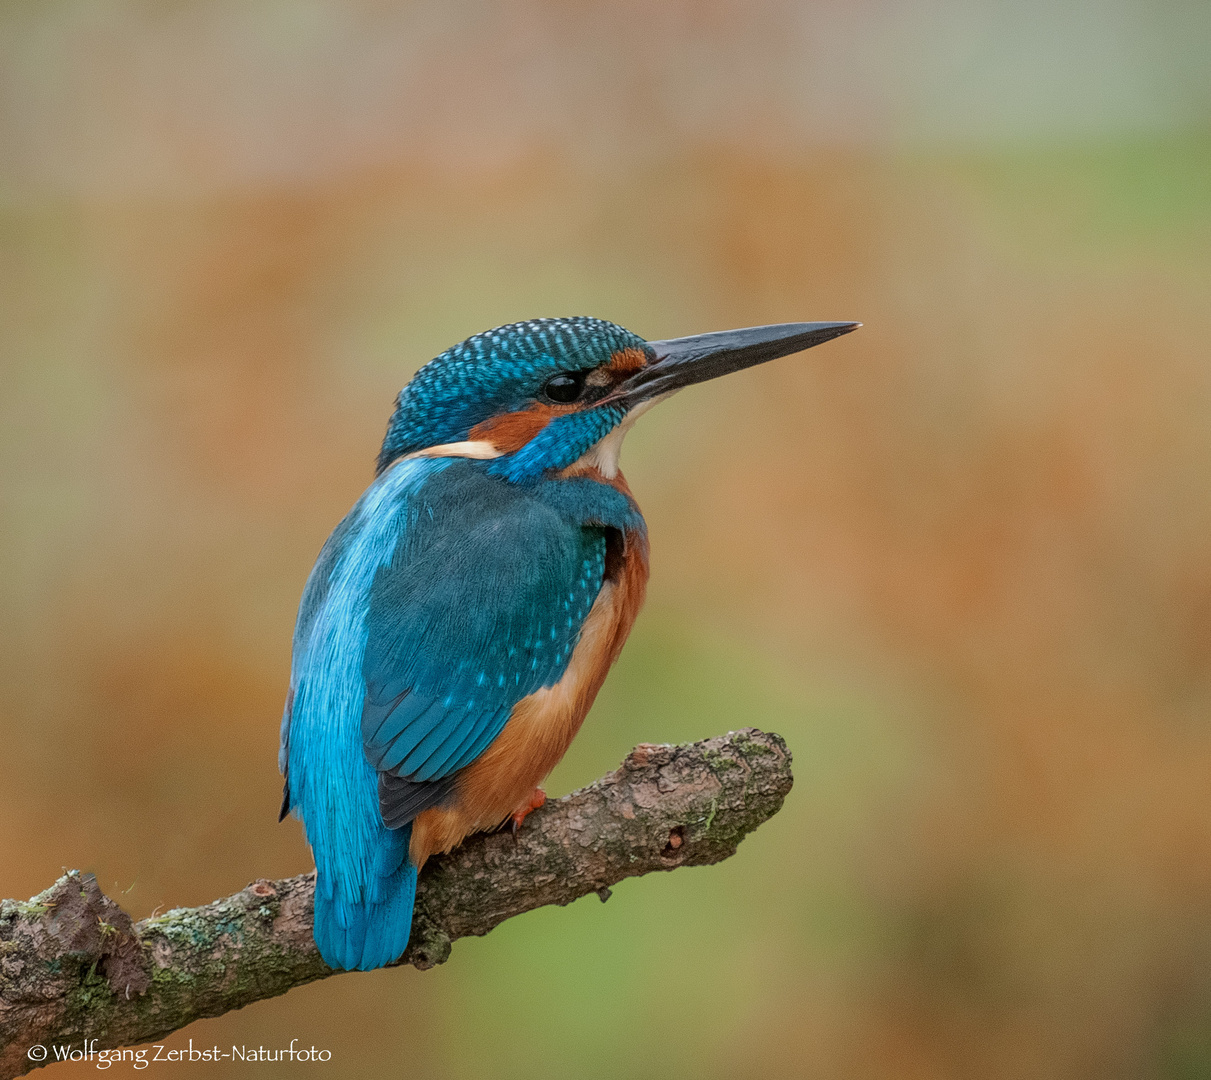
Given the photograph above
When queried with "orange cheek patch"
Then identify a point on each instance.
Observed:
(628, 361)
(511, 431)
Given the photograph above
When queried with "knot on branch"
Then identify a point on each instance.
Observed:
(74, 922)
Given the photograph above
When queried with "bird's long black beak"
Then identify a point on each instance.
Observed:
(684, 361)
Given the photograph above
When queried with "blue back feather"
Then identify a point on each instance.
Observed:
(480, 606)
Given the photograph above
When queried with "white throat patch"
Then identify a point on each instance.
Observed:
(603, 455)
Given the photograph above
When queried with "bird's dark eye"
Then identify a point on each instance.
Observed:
(564, 387)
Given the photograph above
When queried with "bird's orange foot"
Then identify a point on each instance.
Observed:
(536, 798)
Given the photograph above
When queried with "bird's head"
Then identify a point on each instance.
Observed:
(538, 396)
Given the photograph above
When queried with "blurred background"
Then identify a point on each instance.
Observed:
(961, 560)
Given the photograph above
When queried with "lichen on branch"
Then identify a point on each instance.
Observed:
(73, 966)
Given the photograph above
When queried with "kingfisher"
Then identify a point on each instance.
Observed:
(460, 620)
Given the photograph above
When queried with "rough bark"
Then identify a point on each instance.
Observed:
(74, 967)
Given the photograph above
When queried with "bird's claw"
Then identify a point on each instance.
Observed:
(537, 798)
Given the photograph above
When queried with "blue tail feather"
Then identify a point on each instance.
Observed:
(370, 931)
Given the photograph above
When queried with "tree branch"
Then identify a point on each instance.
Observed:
(74, 967)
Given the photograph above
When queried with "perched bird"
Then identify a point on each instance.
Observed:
(460, 620)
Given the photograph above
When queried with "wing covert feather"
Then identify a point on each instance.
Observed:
(481, 605)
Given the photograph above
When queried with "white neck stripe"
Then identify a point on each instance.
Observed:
(479, 449)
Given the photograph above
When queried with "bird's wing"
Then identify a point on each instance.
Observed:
(481, 605)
